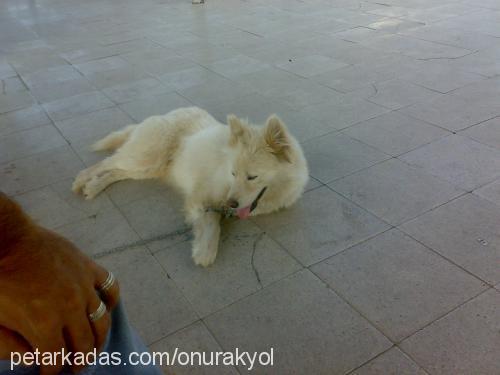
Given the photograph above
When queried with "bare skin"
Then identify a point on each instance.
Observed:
(47, 290)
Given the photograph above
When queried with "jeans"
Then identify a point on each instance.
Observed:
(121, 339)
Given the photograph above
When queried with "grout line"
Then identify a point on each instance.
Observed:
(350, 247)
(251, 294)
(216, 340)
(444, 315)
(447, 259)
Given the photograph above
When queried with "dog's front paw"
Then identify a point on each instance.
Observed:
(204, 257)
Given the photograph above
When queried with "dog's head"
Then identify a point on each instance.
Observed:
(259, 154)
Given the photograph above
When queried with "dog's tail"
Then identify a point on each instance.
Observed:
(113, 140)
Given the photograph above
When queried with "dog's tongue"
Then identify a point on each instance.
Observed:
(243, 212)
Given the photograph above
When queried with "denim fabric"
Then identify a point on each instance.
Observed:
(121, 339)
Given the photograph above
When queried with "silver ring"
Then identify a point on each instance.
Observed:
(108, 283)
(99, 313)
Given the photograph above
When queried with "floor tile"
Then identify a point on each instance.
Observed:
(101, 65)
(453, 113)
(466, 106)
(6, 70)
(464, 231)
(397, 283)
(205, 53)
(195, 338)
(39, 170)
(320, 224)
(159, 67)
(359, 34)
(54, 90)
(29, 142)
(12, 85)
(113, 77)
(481, 91)
(395, 94)
(478, 64)
(63, 109)
(311, 65)
(352, 78)
(357, 83)
(355, 18)
(148, 294)
(142, 88)
(102, 232)
(487, 132)
(128, 191)
(203, 95)
(392, 362)
(395, 133)
(459, 160)
(490, 192)
(158, 219)
(15, 100)
(190, 77)
(337, 338)
(56, 205)
(462, 342)
(55, 74)
(440, 78)
(247, 261)
(452, 36)
(394, 25)
(344, 112)
(358, 54)
(305, 94)
(237, 66)
(349, 155)
(312, 184)
(36, 60)
(272, 82)
(22, 119)
(394, 191)
(81, 131)
(155, 52)
(96, 52)
(416, 48)
(158, 105)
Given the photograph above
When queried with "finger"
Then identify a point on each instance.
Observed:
(79, 339)
(111, 294)
(11, 342)
(52, 345)
(100, 327)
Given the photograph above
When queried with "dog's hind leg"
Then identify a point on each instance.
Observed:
(101, 181)
(86, 175)
(93, 180)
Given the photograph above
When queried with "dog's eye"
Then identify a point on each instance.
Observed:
(250, 178)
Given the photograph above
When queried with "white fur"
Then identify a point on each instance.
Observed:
(208, 162)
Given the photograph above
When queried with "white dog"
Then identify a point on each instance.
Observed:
(239, 169)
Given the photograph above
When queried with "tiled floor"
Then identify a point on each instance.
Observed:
(389, 264)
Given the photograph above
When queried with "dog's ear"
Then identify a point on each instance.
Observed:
(237, 129)
(276, 138)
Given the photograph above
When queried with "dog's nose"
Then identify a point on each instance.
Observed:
(233, 203)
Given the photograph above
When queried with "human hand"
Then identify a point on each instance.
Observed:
(48, 288)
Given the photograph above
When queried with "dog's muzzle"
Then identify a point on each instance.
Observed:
(229, 212)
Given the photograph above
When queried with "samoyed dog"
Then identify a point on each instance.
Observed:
(237, 170)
